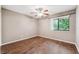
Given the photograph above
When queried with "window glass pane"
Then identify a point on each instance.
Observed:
(64, 23)
(55, 23)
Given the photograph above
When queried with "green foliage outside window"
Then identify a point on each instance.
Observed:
(61, 23)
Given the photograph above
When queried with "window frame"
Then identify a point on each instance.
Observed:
(58, 18)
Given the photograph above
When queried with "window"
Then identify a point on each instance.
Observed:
(60, 23)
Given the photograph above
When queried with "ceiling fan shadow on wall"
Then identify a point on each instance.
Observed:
(40, 12)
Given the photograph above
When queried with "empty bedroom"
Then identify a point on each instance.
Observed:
(39, 29)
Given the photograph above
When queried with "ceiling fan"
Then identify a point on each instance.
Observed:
(40, 12)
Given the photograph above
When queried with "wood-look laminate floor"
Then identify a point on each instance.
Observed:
(39, 45)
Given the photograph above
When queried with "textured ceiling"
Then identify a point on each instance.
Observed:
(27, 9)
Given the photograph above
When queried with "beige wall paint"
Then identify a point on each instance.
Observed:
(16, 26)
(67, 36)
(77, 27)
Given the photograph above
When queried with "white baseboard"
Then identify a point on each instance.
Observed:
(59, 40)
(77, 46)
(40, 36)
(17, 40)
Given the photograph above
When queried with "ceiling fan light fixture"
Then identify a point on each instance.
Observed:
(40, 12)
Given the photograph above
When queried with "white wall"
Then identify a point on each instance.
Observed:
(0, 25)
(16, 27)
(67, 36)
(77, 27)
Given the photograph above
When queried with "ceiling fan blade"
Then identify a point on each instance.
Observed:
(45, 13)
(45, 10)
